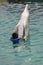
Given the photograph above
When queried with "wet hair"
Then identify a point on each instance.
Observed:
(14, 35)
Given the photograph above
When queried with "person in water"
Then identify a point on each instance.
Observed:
(22, 28)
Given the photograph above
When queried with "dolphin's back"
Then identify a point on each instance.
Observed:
(24, 22)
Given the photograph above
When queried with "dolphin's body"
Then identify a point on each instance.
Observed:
(22, 28)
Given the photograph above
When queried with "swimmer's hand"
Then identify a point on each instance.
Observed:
(25, 38)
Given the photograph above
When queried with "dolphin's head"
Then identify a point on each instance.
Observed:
(27, 7)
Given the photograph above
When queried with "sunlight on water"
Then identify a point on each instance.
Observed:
(29, 53)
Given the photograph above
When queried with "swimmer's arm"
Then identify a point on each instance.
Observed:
(26, 32)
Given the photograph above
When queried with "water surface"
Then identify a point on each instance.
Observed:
(31, 53)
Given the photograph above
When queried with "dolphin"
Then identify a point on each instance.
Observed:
(22, 28)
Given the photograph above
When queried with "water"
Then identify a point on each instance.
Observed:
(30, 53)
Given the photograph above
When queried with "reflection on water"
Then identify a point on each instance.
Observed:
(29, 53)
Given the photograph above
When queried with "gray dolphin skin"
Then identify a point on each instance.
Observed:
(22, 28)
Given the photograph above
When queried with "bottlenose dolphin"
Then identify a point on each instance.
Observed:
(22, 28)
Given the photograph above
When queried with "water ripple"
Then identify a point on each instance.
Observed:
(31, 53)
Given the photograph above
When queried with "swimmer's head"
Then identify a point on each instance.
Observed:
(15, 35)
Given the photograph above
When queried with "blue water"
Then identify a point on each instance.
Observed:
(29, 53)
